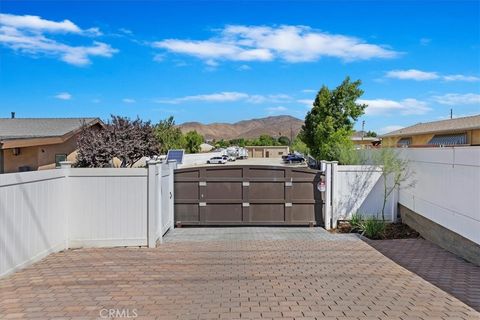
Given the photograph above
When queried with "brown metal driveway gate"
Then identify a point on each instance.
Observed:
(247, 195)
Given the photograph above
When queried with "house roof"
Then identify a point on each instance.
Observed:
(27, 128)
(442, 126)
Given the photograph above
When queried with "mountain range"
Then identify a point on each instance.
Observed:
(275, 126)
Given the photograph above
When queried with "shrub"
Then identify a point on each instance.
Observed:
(373, 228)
(356, 220)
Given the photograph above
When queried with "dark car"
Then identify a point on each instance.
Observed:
(294, 158)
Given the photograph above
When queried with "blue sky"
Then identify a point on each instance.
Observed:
(226, 61)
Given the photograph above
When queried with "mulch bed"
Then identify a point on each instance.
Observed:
(392, 230)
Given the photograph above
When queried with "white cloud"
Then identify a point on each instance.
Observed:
(159, 57)
(28, 35)
(228, 96)
(63, 96)
(129, 100)
(418, 75)
(388, 107)
(37, 23)
(307, 102)
(96, 101)
(425, 41)
(412, 74)
(460, 77)
(213, 97)
(126, 31)
(388, 129)
(210, 51)
(458, 99)
(276, 109)
(244, 67)
(288, 43)
(309, 90)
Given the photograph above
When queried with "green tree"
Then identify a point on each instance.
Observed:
(193, 140)
(266, 140)
(330, 121)
(372, 134)
(237, 142)
(284, 141)
(299, 146)
(168, 135)
(221, 144)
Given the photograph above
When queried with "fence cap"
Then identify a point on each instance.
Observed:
(152, 162)
(65, 164)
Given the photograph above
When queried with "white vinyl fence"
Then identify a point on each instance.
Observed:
(33, 217)
(47, 211)
(447, 187)
(355, 189)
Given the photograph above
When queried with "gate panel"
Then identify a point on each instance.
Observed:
(247, 195)
(267, 213)
(223, 213)
(224, 190)
(267, 190)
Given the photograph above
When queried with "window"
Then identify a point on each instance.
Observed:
(280, 153)
(404, 142)
(59, 158)
(448, 139)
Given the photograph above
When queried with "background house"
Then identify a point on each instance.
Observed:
(362, 141)
(39, 143)
(458, 131)
(267, 151)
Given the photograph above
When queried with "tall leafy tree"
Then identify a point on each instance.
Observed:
(329, 124)
(169, 136)
(125, 139)
(284, 141)
(95, 147)
(193, 140)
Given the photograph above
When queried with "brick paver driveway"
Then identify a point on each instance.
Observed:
(236, 273)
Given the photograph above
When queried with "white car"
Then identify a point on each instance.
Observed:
(218, 160)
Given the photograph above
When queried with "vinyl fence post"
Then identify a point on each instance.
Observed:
(328, 196)
(171, 194)
(334, 193)
(158, 203)
(66, 166)
(151, 202)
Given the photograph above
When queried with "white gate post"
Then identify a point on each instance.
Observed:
(158, 200)
(328, 196)
(334, 193)
(152, 194)
(66, 166)
(171, 194)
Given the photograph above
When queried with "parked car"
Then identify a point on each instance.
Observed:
(231, 158)
(294, 158)
(217, 160)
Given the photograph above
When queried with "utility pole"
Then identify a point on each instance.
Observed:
(451, 113)
(363, 129)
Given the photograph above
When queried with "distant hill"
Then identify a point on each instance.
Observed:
(274, 126)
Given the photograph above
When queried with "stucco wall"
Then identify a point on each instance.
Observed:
(473, 138)
(27, 157)
(39, 157)
(267, 152)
